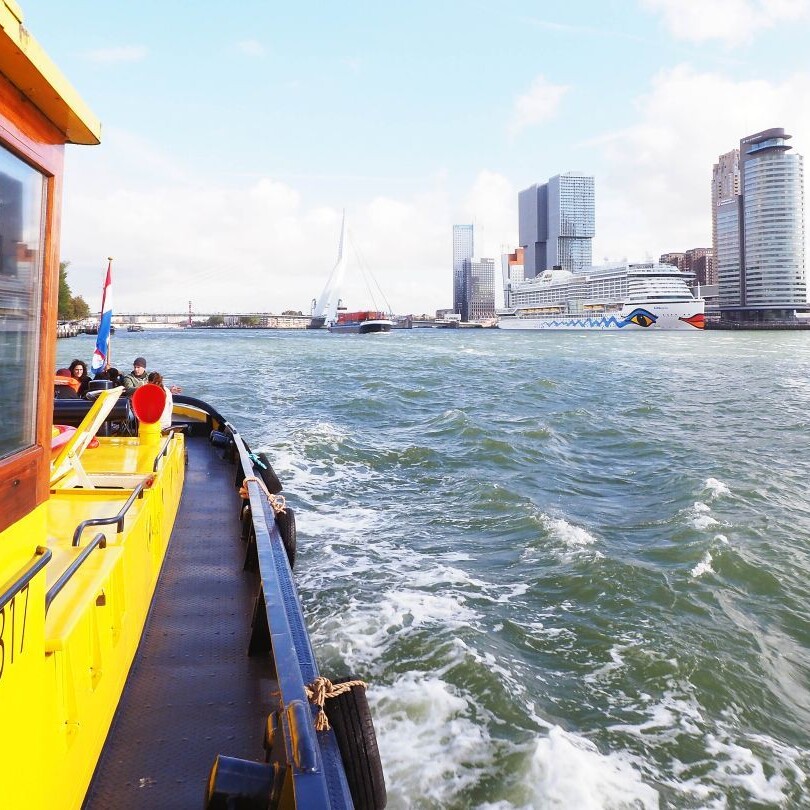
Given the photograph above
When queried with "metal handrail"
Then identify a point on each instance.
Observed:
(42, 556)
(163, 450)
(118, 519)
(99, 541)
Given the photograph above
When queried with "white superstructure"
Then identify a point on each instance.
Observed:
(616, 296)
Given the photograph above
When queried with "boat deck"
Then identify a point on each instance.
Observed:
(193, 692)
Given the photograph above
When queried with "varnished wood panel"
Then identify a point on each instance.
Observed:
(26, 132)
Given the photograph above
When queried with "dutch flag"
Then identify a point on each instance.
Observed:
(101, 354)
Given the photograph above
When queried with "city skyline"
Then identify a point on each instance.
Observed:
(225, 163)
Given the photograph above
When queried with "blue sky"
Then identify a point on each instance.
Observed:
(234, 135)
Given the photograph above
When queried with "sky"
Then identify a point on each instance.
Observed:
(234, 135)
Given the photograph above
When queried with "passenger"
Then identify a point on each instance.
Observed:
(137, 377)
(66, 386)
(113, 375)
(156, 378)
(79, 371)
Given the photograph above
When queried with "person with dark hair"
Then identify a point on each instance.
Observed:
(113, 375)
(78, 370)
(137, 377)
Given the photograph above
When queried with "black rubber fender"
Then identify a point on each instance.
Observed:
(286, 528)
(350, 718)
(268, 474)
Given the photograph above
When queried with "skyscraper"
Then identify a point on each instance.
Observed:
(556, 222)
(462, 250)
(759, 230)
(478, 295)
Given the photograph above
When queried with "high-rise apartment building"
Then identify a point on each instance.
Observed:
(698, 261)
(478, 294)
(512, 272)
(556, 223)
(463, 249)
(758, 227)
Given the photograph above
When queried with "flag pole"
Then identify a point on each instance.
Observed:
(101, 354)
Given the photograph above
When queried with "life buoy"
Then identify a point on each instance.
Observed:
(61, 435)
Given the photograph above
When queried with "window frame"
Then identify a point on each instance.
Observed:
(28, 135)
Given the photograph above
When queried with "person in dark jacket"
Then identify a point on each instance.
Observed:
(137, 377)
(78, 370)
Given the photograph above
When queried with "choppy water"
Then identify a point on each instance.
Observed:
(574, 567)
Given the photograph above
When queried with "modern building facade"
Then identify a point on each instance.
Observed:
(759, 230)
(513, 271)
(478, 290)
(698, 261)
(557, 222)
(463, 250)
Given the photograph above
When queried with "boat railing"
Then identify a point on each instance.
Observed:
(42, 556)
(118, 519)
(314, 758)
(99, 541)
(163, 450)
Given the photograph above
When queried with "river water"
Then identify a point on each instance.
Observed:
(573, 567)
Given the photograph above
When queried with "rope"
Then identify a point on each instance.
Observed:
(320, 690)
(277, 502)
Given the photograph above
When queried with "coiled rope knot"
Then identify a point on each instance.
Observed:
(278, 502)
(320, 690)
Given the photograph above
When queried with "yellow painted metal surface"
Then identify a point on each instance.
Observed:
(28, 67)
(61, 675)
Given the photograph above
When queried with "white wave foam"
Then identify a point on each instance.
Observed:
(703, 567)
(738, 766)
(430, 747)
(616, 663)
(575, 539)
(701, 520)
(716, 488)
(567, 771)
(363, 631)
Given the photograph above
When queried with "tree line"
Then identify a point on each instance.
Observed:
(71, 307)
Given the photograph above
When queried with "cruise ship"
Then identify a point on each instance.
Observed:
(623, 296)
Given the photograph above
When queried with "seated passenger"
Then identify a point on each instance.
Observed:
(65, 385)
(79, 371)
(136, 378)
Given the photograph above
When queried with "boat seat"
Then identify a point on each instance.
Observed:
(67, 463)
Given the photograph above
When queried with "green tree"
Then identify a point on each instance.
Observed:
(249, 320)
(80, 308)
(65, 310)
(215, 320)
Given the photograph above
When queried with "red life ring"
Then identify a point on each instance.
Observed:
(61, 435)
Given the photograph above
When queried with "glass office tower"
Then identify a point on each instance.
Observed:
(556, 223)
(760, 233)
(462, 251)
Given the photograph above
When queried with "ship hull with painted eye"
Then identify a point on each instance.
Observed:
(624, 297)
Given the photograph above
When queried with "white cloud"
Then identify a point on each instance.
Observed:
(250, 47)
(255, 244)
(733, 21)
(121, 53)
(540, 103)
(653, 193)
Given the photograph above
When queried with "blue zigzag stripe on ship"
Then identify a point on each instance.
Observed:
(638, 317)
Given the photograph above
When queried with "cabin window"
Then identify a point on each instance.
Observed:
(22, 240)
